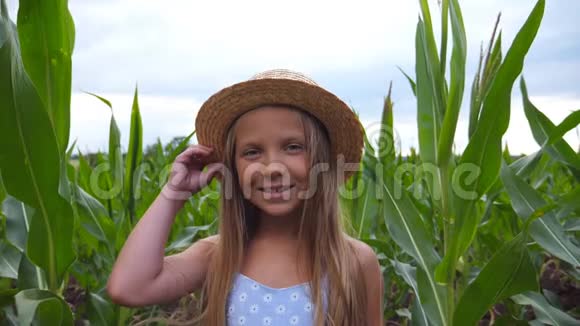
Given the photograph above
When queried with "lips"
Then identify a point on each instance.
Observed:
(275, 189)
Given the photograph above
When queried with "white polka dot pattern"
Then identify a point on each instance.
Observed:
(252, 303)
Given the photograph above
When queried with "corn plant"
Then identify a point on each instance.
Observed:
(62, 225)
(436, 219)
(458, 235)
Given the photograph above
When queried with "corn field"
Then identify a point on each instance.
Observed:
(480, 237)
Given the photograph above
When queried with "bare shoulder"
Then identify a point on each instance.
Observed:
(373, 279)
(364, 252)
(212, 239)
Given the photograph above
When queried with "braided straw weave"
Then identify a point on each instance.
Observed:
(280, 87)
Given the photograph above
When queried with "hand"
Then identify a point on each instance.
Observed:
(186, 177)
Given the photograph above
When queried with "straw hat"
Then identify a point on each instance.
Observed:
(282, 87)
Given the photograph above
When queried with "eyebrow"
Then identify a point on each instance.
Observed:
(253, 143)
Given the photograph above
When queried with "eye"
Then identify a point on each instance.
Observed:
(295, 147)
(250, 152)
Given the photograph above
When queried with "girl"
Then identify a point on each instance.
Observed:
(281, 146)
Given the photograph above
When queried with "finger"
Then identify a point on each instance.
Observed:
(191, 152)
(204, 158)
(203, 146)
(213, 170)
(201, 160)
(207, 148)
(196, 147)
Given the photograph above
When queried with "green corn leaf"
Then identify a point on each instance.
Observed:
(42, 308)
(2, 191)
(9, 260)
(30, 276)
(546, 231)
(185, 238)
(545, 313)
(408, 231)
(30, 161)
(358, 196)
(386, 144)
(102, 99)
(495, 113)
(572, 226)
(84, 174)
(366, 204)
(444, 34)
(409, 274)
(18, 219)
(410, 80)
(47, 33)
(543, 129)
(433, 62)
(524, 166)
(180, 148)
(116, 156)
(367, 215)
(484, 149)
(510, 271)
(134, 157)
(418, 317)
(7, 299)
(369, 160)
(115, 151)
(94, 218)
(569, 203)
(458, 58)
(70, 151)
(483, 152)
(570, 122)
(100, 311)
(428, 117)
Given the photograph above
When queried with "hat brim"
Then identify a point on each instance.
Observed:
(218, 113)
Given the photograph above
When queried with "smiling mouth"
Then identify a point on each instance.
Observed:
(275, 190)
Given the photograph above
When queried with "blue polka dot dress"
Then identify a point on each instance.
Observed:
(253, 303)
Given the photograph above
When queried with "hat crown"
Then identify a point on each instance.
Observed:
(282, 87)
(284, 74)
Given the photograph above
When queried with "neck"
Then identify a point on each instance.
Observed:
(278, 227)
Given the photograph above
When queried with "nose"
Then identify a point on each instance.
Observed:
(274, 170)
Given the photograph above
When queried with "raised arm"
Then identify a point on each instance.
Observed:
(142, 275)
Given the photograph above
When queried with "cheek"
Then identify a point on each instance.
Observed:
(300, 169)
(247, 172)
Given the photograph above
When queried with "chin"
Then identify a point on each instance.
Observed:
(279, 208)
(278, 212)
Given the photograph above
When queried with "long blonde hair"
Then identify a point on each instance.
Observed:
(327, 246)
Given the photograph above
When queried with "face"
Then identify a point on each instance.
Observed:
(271, 159)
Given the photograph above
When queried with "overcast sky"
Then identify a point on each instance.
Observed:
(181, 52)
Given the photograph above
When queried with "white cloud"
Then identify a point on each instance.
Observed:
(163, 117)
(518, 137)
(182, 51)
